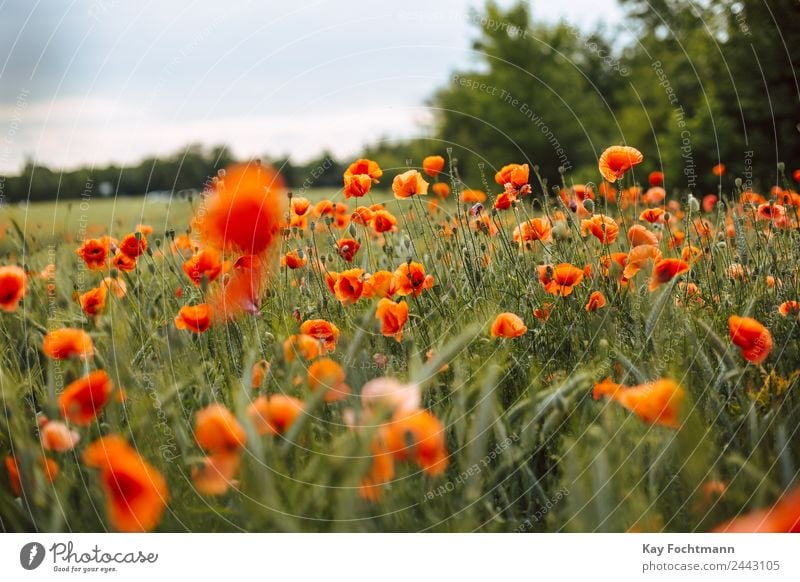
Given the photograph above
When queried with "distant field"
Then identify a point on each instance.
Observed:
(76, 218)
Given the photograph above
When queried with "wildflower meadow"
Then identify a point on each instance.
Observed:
(407, 353)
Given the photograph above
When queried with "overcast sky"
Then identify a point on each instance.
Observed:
(95, 81)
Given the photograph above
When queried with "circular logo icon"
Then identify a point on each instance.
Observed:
(31, 555)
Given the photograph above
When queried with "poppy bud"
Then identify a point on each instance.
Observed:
(694, 205)
(738, 182)
(781, 167)
(588, 205)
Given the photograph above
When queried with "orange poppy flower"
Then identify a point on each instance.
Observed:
(653, 215)
(82, 400)
(709, 202)
(349, 286)
(381, 472)
(508, 325)
(205, 264)
(364, 166)
(357, 185)
(753, 339)
(638, 258)
(245, 210)
(515, 174)
(473, 197)
(133, 245)
(665, 270)
(788, 308)
(116, 286)
(347, 248)
(542, 313)
(656, 178)
(136, 492)
(603, 227)
(617, 160)
(433, 165)
(94, 252)
(691, 254)
(411, 278)
(217, 430)
(718, 170)
(274, 414)
(258, 372)
(67, 342)
(57, 436)
(533, 229)
(12, 287)
(383, 221)
(503, 201)
(94, 300)
(393, 316)
(321, 330)
(560, 280)
(216, 473)
(362, 215)
(325, 374)
(123, 262)
(596, 301)
(301, 344)
(300, 206)
(771, 211)
(441, 189)
(408, 184)
(145, 229)
(657, 402)
(380, 284)
(294, 260)
(783, 517)
(195, 318)
(639, 235)
(419, 437)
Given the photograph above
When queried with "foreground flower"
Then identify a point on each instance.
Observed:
(409, 184)
(560, 280)
(665, 270)
(603, 227)
(245, 210)
(135, 491)
(410, 278)
(82, 400)
(783, 517)
(12, 287)
(349, 286)
(322, 330)
(390, 394)
(533, 229)
(347, 248)
(753, 339)
(274, 414)
(515, 174)
(195, 318)
(94, 252)
(508, 325)
(325, 374)
(133, 245)
(206, 264)
(433, 165)
(393, 317)
(657, 402)
(57, 436)
(596, 301)
(364, 166)
(617, 160)
(418, 437)
(217, 430)
(68, 342)
(94, 300)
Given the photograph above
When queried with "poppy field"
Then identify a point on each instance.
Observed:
(407, 353)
